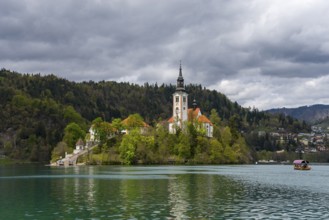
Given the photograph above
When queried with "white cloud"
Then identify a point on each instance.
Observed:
(265, 92)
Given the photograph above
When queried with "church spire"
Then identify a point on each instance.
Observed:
(180, 69)
(180, 79)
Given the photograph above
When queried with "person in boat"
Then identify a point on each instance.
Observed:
(301, 165)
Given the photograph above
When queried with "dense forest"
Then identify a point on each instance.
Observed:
(36, 109)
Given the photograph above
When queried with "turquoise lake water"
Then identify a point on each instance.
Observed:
(164, 192)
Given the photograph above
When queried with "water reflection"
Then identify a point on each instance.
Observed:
(164, 192)
(90, 192)
(178, 198)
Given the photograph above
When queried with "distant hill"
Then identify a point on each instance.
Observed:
(312, 114)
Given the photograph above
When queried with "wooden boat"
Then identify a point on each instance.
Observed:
(301, 165)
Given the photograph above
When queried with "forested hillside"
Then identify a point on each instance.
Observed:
(35, 110)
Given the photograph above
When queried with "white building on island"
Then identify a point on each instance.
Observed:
(181, 114)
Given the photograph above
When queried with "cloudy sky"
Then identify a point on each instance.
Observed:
(260, 53)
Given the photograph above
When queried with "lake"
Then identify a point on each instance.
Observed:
(164, 192)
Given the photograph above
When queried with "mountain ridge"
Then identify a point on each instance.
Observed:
(310, 113)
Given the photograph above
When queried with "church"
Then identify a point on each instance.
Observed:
(181, 114)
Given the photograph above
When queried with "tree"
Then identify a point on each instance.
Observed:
(117, 125)
(96, 126)
(214, 118)
(192, 135)
(241, 150)
(70, 115)
(133, 121)
(234, 124)
(145, 149)
(59, 151)
(105, 132)
(72, 133)
(202, 151)
(164, 142)
(183, 146)
(128, 146)
(229, 155)
(216, 151)
(226, 136)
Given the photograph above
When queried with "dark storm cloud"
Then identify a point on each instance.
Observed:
(224, 45)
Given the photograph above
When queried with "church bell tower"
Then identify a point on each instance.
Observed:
(180, 101)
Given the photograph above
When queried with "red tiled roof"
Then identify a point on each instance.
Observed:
(79, 142)
(204, 119)
(146, 125)
(171, 120)
(193, 114)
